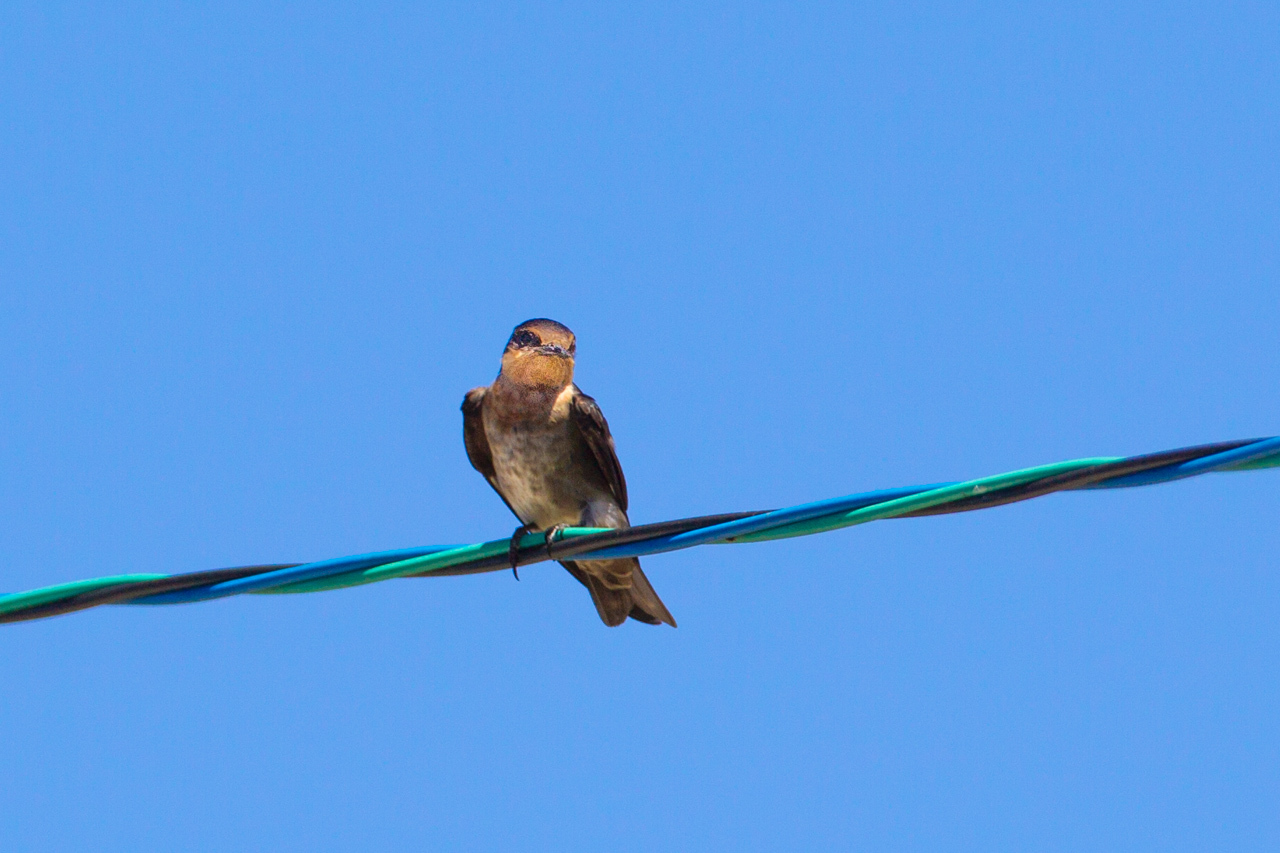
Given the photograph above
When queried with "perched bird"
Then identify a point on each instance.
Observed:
(545, 448)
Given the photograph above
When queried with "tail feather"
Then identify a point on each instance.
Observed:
(614, 604)
(646, 601)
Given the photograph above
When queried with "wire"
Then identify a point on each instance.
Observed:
(583, 543)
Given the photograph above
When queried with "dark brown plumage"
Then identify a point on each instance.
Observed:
(546, 449)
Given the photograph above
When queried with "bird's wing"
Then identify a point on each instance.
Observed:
(594, 429)
(478, 443)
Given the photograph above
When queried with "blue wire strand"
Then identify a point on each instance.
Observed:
(1259, 450)
(743, 526)
(281, 577)
(717, 533)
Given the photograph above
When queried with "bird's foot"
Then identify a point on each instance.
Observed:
(513, 549)
(553, 533)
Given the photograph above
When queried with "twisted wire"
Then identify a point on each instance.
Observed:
(643, 540)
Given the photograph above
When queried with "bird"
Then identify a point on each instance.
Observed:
(545, 448)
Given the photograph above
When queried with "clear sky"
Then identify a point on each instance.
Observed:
(252, 255)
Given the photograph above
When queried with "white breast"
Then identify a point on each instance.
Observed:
(533, 468)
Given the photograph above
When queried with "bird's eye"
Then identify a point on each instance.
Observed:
(525, 338)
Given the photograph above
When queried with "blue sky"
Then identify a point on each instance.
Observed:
(253, 255)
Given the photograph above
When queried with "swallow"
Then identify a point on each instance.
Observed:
(546, 449)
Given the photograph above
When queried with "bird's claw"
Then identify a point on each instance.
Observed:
(553, 533)
(513, 550)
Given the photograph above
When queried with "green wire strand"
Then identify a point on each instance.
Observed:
(428, 563)
(36, 597)
(924, 500)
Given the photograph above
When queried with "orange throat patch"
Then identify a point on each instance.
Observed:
(537, 370)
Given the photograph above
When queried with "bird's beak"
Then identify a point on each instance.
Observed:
(554, 349)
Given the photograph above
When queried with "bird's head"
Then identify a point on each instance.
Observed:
(539, 354)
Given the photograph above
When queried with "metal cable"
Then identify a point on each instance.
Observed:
(646, 539)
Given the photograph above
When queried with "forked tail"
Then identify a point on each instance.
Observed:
(615, 602)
